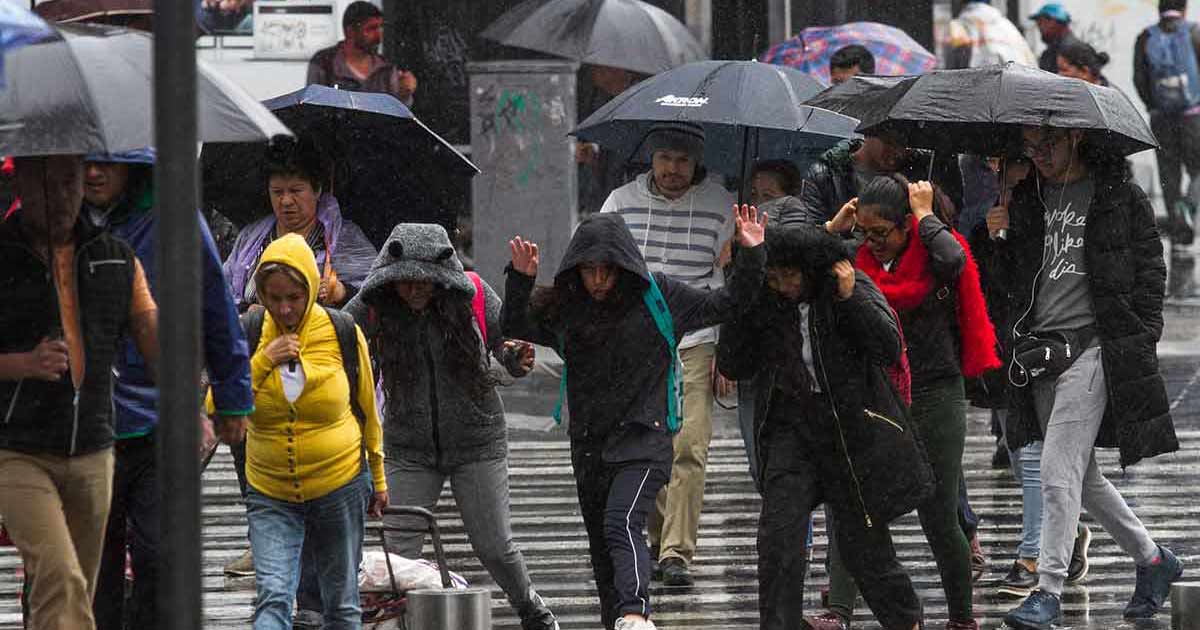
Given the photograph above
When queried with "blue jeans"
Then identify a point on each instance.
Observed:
(333, 528)
(1027, 468)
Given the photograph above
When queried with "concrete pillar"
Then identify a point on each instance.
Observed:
(521, 112)
(779, 21)
(698, 17)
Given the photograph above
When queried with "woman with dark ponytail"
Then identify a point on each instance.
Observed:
(926, 272)
(1078, 59)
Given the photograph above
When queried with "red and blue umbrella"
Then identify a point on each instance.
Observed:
(895, 52)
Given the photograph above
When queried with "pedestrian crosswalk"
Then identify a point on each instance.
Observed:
(548, 529)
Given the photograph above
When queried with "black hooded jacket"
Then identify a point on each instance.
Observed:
(615, 357)
(869, 449)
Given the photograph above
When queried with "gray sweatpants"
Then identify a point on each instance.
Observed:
(481, 492)
(1070, 410)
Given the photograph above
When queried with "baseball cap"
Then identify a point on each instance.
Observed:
(1054, 11)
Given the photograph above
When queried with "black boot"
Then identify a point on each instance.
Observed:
(535, 615)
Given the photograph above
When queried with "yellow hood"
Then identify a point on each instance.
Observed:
(293, 251)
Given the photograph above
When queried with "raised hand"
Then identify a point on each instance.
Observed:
(524, 256)
(845, 219)
(751, 226)
(920, 199)
(843, 272)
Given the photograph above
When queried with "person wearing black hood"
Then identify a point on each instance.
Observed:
(829, 424)
(617, 327)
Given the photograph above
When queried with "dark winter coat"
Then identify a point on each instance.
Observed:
(853, 340)
(434, 415)
(43, 416)
(830, 181)
(1127, 276)
(615, 357)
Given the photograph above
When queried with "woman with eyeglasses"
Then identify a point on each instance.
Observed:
(926, 272)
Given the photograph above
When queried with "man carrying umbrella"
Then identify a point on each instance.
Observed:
(677, 214)
(118, 196)
(60, 328)
(1083, 263)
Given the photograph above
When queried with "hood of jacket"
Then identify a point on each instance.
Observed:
(807, 248)
(417, 251)
(602, 238)
(293, 251)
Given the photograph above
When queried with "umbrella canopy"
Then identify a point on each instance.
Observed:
(628, 34)
(981, 110)
(107, 11)
(895, 52)
(89, 90)
(749, 111)
(381, 159)
(19, 27)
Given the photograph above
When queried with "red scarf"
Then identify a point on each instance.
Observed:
(909, 283)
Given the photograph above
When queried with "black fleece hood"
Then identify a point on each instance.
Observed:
(808, 248)
(602, 238)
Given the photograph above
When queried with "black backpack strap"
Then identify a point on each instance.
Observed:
(347, 337)
(252, 325)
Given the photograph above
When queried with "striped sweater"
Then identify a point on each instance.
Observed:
(682, 237)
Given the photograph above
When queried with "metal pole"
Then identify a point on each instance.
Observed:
(179, 596)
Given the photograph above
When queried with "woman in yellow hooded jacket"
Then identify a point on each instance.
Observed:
(309, 484)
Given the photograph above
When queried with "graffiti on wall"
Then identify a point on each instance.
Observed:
(513, 121)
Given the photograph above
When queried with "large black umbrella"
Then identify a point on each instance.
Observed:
(88, 89)
(381, 160)
(981, 110)
(628, 34)
(749, 110)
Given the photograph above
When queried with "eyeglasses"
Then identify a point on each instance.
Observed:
(877, 235)
(1043, 147)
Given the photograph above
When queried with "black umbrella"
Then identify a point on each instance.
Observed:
(628, 34)
(981, 110)
(88, 90)
(381, 159)
(749, 110)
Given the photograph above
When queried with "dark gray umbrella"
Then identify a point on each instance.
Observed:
(89, 90)
(981, 110)
(749, 110)
(627, 34)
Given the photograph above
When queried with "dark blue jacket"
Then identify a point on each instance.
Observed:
(225, 353)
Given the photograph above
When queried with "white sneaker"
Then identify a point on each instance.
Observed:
(634, 624)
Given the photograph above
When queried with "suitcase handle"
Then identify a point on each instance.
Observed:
(439, 553)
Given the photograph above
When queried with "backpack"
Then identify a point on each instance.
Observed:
(1174, 73)
(654, 300)
(347, 338)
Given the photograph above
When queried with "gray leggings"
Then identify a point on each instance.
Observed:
(481, 492)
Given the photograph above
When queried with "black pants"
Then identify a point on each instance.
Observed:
(795, 482)
(133, 523)
(615, 500)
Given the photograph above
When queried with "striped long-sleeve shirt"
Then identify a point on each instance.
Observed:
(681, 237)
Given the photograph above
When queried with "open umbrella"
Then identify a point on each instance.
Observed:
(749, 110)
(19, 27)
(89, 89)
(896, 53)
(382, 158)
(117, 12)
(628, 34)
(981, 110)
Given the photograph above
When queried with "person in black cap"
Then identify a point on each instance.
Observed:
(680, 222)
(1054, 23)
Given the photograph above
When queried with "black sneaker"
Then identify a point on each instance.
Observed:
(675, 573)
(535, 615)
(1153, 585)
(1019, 582)
(1078, 568)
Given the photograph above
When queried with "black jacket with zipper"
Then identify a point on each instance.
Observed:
(875, 452)
(46, 417)
(1127, 280)
(616, 358)
(931, 329)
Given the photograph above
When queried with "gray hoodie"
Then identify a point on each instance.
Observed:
(433, 415)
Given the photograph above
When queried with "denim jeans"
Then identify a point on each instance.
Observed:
(1027, 468)
(332, 525)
